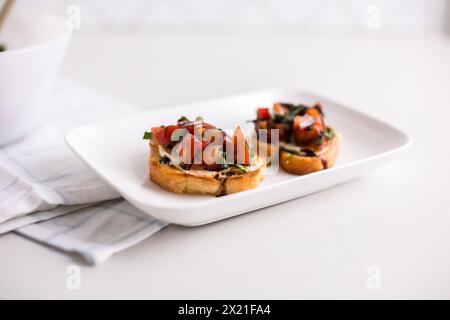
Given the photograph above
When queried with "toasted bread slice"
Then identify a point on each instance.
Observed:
(301, 165)
(206, 182)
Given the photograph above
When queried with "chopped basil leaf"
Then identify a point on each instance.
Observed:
(329, 133)
(2, 47)
(282, 119)
(223, 164)
(298, 110)
(223, 161)
(239, 167)
(288, 117)
(183, 119)
(318, 141)
(286, 105)
(147, 135)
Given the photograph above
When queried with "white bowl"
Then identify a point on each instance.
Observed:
(35, 48)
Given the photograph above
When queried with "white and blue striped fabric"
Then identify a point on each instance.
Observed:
(47, 193)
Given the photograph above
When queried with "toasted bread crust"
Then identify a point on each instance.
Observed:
(301, 165)
(172, 179)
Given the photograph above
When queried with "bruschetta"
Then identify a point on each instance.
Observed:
(196, 157)
(305, 144)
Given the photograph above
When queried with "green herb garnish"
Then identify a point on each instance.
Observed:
(303, 152)
(288, 117)
(223, 161)
(148, 135)
(296, 110)
(199, 119)
(240, 167)
(328, 133)
(2, 47)
(183, 119)
(282, 119)
(318, 141)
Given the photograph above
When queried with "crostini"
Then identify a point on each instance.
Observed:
(196, 157)
(305, 143)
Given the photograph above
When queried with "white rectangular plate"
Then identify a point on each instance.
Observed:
(116, 151)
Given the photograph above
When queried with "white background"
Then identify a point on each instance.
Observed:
(319, 246)
(256, 16)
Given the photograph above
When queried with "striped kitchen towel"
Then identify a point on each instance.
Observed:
(96, 232)
(49, 195)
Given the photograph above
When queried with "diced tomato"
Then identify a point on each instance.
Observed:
(263, 114)
(211, 135)
(228, 148)
(169, 131)
(208, 125)
(316, 113)
(263, 124)
(303, 122)
(196, 149)
(210, 157)
(163, 134)
(283, 131)
(200, 126)
(306, 135)
(240, 145)
(279, 109)
(189, 150)
(205, 143)
(159, 134)
(189, 126)
(309, 126)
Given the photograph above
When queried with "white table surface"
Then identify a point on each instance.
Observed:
(319, 246)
